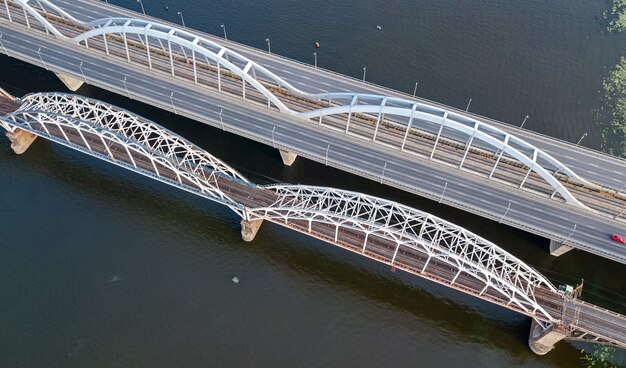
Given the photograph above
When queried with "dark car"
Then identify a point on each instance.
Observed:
(618, 238)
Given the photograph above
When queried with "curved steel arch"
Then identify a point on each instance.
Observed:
(200, 45)
(420, 231)
(199, 180)
(139, 27)
(133, 127)
(47, 25)
(221, 56)
(495, 137)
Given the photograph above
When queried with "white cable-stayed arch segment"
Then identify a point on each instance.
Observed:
(496, 138)
(409, 229)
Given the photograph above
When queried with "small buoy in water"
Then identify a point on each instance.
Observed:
(167, 7)
(379, 28)
(317, 45)
(235, 280)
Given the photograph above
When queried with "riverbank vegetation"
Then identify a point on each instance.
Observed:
(612, 111)
(601, 357)
(611, 115)
(616, 16)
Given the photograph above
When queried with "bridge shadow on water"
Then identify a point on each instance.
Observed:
(295, 255)
(460, 315)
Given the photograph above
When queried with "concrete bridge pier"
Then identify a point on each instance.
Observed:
(21, 140)
(249, 229)
(288, 157)
(542, 341)
(558, 248)
(73, 84)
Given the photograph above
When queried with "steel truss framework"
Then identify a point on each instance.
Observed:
(85, 124)
(412, 229)
(82, 124)
(174, 41)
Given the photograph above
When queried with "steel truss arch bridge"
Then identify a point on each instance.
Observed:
(176, 43)
(383, 230)
(124, 139)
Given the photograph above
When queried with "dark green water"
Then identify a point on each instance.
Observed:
(100, 267)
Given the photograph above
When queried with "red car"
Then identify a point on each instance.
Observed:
(618, 238)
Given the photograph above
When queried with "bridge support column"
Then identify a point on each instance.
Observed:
(288, 157)
(542, 341)
(73, 84)
(21, 140)
(249, 229)
(557, 248)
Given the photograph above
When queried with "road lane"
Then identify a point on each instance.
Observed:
(424, 178)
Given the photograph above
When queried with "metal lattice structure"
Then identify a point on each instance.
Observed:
(124, 139)
(176, 43)
(410, 229)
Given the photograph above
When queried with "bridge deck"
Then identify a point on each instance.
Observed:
(575, 315)
(529, 212)
(589, 320)
(7, 104)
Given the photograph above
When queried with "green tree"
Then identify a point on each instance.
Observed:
(612, 112)
(599, 358)
(617, 16)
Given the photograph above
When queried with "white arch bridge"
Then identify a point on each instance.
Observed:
(421, 129)
(388, 232)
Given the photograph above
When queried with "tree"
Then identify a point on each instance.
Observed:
(599, 358)
(617, 16)
(613, 109)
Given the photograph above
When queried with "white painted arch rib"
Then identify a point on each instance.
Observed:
(39, 122)
(409, 227)
(222, 56)
(500, 139)
(133, 127)
(39, 17)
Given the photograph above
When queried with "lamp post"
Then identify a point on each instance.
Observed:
(327, 148)
(81, 71)
(224, 27)
(415, 89)
(364, 71)
(581, 138)
(142, 9)
(221, 120)
(126, 87)
(522, 126)
(382, 176)
(315, 56)
(269, 48)
(507, 211)
(40, 58)
(182, 19)
(443, 192)
(468, 105)
(172, 101)
(1, 44)
(273, 140)
(569, 237)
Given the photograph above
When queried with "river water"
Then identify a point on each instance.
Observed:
(100, 267)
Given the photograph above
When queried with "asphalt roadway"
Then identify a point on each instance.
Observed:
(527, 211)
